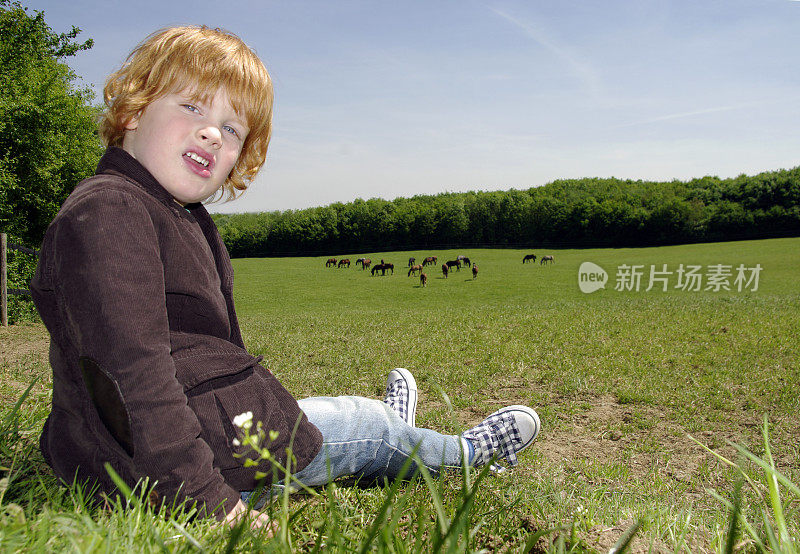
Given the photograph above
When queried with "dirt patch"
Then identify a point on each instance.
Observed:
(643, 437)
(602, 538)
(23, 359)
(26, 340)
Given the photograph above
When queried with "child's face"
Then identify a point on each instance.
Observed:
(189, 146)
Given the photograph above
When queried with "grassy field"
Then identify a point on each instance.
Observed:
(620, 378)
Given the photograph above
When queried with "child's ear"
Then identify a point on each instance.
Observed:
(133, 122)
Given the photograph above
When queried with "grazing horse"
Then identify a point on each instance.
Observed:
(423, 279)
(445, 270)
(361, 261)
(344, 262)
(330, 262)
(546, 259)
(366, 263)
(474, 271)
(429, 260)
(454, 263)
(464, 260)
(382, 268)
(529, 258)
(414, 269)
(411, 261)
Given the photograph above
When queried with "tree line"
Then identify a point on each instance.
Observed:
(573, 213)
(49, 142)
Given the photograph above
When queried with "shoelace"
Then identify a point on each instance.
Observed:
(506, 447)
(499, 435)
(394, 392)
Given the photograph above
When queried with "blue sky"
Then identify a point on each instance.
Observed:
(387, 99)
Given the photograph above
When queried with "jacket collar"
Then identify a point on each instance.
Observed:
(117, 160)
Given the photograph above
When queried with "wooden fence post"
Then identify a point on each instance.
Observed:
(3, 286)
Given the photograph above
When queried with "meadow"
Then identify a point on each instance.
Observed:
(644, 395)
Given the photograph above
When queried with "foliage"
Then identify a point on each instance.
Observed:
(48, 138)
(773, 532)
(566, 213)
(21, 266)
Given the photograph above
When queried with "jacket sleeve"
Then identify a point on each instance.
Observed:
(109, 278)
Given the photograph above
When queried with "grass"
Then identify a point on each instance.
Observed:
(619, 378)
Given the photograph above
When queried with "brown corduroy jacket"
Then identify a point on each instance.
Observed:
(149, 367)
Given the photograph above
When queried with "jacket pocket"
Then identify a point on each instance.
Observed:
(217, 402)
(221, 381)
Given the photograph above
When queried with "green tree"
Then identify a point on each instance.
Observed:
(48, 136)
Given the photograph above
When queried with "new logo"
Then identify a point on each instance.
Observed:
(591, 277)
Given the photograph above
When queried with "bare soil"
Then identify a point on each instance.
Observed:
(23, 340)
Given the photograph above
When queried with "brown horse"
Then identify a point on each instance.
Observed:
(366, 263)
(445, 270)
(454, 263)
(529, 258)
(423, 279)
(330, 262)
(474, 271)
(429, 260)
(344, 262)
(382, 268)
(361, 261)
(414, 269)
(546, 259)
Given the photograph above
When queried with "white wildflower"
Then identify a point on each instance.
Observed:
(244, 421)
(236, 442)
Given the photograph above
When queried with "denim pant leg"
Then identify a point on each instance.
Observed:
(365, 438)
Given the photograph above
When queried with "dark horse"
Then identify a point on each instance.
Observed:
(382, 268)
(423, 279)
(344, 262)
(429, 260)
(474, 272)
(411, 261)
(546, 259)
(529, 258)
(464, 260)
(454, 263)
(330, 262)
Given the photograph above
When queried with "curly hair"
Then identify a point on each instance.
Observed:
(200, 60)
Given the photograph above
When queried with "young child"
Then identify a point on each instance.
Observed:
(135, 285)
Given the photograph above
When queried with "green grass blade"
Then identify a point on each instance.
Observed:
(625, 540)
(730, 539)
(387, 503)
(11, 417)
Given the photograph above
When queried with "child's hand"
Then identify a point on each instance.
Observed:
(258, 520)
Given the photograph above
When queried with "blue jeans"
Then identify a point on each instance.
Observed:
(366, 439)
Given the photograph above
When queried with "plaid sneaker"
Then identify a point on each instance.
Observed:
(401, 394)
(503, 434)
